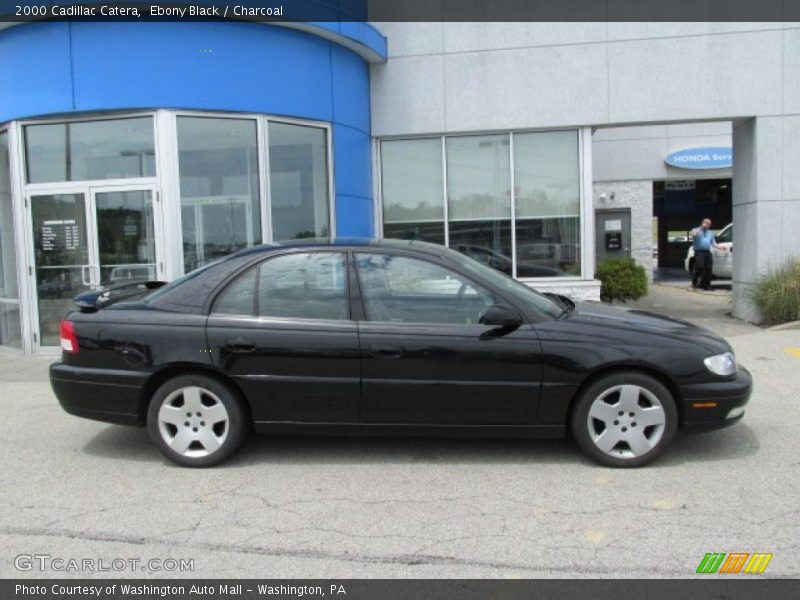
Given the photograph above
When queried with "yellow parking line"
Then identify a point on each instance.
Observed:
(793, 351)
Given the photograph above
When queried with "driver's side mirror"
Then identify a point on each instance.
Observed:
(501, 315)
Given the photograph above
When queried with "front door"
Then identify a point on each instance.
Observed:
(86, 238)
(427, 359)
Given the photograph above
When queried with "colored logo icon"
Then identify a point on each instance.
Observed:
(734, 562)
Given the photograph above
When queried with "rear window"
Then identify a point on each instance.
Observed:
(308, 285)
(188, 294)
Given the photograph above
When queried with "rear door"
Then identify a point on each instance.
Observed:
(282, 331)
(426, 359)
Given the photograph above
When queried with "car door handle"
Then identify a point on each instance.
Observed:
(386, 351)
(240, 345)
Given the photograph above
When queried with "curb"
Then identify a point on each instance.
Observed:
(785, 326)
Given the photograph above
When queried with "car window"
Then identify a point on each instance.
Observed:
(519, 291)
(725, 236)
(238, 298)
(400, 289)
(308, 285)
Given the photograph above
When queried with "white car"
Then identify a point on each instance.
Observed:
(723, 257)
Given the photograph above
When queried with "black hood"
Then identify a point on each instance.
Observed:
(642, 321)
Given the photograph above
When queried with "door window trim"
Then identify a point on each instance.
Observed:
(435, 261)
(256, 264)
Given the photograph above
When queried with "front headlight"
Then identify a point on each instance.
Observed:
(721, 364)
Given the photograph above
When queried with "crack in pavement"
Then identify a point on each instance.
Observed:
(345, 556)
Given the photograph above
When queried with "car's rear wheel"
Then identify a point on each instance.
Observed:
(196, 421)
(625, 419)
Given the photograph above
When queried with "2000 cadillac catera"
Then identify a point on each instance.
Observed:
(386, 337)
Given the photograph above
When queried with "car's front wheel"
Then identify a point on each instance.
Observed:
(196, 421)
(625, 419)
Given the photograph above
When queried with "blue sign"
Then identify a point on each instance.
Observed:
(707, 157)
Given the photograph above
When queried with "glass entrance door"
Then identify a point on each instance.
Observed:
(62, 265)
(89, 238)
(126, 240)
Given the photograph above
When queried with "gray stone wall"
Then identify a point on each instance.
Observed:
(472, 77)
(623, 153)
(638, 196)
(766, 202)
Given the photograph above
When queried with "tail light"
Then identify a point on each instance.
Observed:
(69, 341)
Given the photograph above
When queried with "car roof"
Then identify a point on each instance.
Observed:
(343, 243)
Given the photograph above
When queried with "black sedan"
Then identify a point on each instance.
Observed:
(386, 337)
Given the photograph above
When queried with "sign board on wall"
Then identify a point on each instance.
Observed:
(706, 157)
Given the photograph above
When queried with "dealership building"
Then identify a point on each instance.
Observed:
(133, 150)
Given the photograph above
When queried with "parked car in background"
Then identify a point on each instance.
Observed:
(723, 258)
(386, 337)
(131, 273)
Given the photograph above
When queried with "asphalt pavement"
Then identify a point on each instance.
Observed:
(322, 507)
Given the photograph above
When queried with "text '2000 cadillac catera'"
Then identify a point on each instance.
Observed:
(386, 337)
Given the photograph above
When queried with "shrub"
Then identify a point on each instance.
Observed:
(622, 279)
(777, 294)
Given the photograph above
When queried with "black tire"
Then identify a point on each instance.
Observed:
(624, 427)
(223, 437)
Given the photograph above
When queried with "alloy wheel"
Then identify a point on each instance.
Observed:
(193, 422)
(626, 421)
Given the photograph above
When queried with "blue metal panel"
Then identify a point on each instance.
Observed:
(353, 145)
(58, 67)
(210, 66)
(354, 216)
(35, 63)
(350, 95)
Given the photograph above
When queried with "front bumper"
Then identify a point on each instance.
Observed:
(708, 406)
(99, 394)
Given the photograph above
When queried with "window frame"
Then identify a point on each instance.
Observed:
(6, 130)
(262, 140)
(435, 261)
(585, 208)
(257, 264)
(166, 180)
(113, 116)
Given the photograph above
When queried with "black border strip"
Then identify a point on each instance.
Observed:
(431, 10)
(731, 588)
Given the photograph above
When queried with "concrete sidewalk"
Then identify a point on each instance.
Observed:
(17, 368)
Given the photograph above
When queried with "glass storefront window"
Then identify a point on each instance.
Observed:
(479, 198)
(298, 179)
(90, 150)
(10, 334)
(411, 184)
(220, 200)
(547, 182)
(545, 221)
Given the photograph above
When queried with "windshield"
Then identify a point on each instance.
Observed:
(518, 290)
